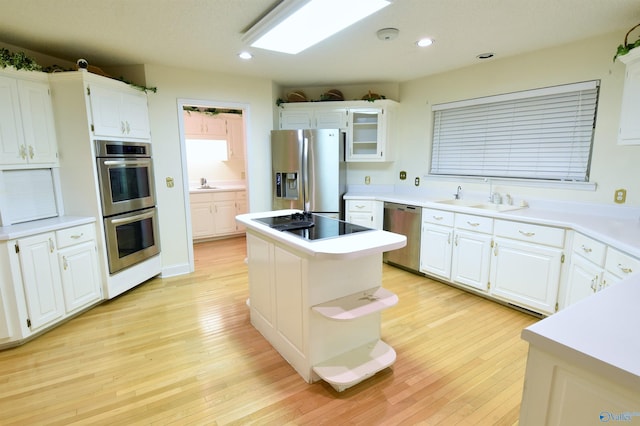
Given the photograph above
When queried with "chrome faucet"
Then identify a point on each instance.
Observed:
(457, 194)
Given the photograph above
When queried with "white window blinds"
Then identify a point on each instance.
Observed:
(536, 134)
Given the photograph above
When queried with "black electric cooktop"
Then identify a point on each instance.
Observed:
(311, 226)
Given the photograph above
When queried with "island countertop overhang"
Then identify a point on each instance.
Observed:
(343, 247)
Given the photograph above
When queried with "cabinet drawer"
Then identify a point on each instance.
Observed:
(589, 248)
(76, 235)
(438, 217)
(224, 196)
(241, 195)
(537, 234)
(621, 264)
(474, 223)
(360, 206)
(201, 197)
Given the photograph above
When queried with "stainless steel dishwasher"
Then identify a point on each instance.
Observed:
(406, 220)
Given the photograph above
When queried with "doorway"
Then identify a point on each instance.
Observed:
(213, 137)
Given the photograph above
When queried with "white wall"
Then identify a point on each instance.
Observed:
(174, 84)
(613, 166)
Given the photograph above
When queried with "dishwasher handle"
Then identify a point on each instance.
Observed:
(403, 207)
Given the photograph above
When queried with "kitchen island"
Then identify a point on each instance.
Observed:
(319, 302)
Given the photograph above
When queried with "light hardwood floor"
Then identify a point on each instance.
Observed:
(181, 351)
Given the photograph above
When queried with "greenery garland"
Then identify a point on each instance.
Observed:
(625, 47)
(21, 61)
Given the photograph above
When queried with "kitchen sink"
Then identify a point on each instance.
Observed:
(496, 207)
(483, 206)
(208, 187)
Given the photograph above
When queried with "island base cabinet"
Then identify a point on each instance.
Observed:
(315, 311)
(557, 392)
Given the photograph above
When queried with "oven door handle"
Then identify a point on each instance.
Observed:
(132, 218)
(123, 163)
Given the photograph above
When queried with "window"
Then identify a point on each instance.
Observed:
(543, 134)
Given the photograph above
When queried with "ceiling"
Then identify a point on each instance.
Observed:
(207, 35)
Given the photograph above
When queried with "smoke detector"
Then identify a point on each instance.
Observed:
(387, 34)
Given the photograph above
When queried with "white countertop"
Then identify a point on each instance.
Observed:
(342, 247)
(34, 227)
(601, 333)
(617, 226)
(217, 188)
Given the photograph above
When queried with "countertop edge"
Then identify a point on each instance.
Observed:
(351, 246)
(25, 229)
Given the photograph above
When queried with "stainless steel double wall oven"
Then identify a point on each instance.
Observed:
(127, 192)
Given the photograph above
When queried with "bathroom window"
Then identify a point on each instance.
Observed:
(541, 134)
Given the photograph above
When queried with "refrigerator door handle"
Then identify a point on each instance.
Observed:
(306, 205)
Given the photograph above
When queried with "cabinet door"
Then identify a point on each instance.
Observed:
(362, 219)
(330, 118)
(296, 119)
(80, 276)
(584, 279)
(41, 279)
(471, 259)
(241, 208)
(365, 135)
(435, 250)
(105, 112)
(629, 133)
(526, 274)
(38, 123)
(202, 220)
(134, 113)
(235, 137)
(225, 217)
(12, 149)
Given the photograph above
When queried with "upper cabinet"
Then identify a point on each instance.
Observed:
(367, 125)
(629, 131)
(27, 132)
(199, 125)
(119, 113)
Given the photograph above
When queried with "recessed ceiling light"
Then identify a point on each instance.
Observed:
(245, 55)
(487, 55)
(424, 42)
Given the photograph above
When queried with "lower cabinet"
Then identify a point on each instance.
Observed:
(48, 277)
(213, 214)
(472, 251)
(368, 213)
(435, 242)
(526, 265)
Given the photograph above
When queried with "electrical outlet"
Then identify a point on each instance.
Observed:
(620, 196)
(367, 180)
(170, 182)
(403, 175)
(417, 181)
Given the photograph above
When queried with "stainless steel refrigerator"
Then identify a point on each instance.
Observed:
(308, 170)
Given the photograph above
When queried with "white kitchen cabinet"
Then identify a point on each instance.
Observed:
(241, 208)
(472, 251)
(368, 125)
(235, 136)
(312, 116)
(367, 213)
(629, 130)
(78, 260)
(41, 279)
(436, 242)
(27, 132)
(46, 278)
(200, 125)
(586, 268)
(618, 266)
(120, 113)
(213, 213)
(526, 265)
(367, 134)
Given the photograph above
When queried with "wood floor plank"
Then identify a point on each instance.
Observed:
(181, 351)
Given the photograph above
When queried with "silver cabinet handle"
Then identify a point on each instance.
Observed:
(75, 237)
(122, 128)
(438, 217)
(586, 249)
(449, 238)
(65, 263)
(527, 234)
(31, 153)
(456, 242)
(23, 152)
(593, 283)
(495, 249)
(473, 223)
(51, 246)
